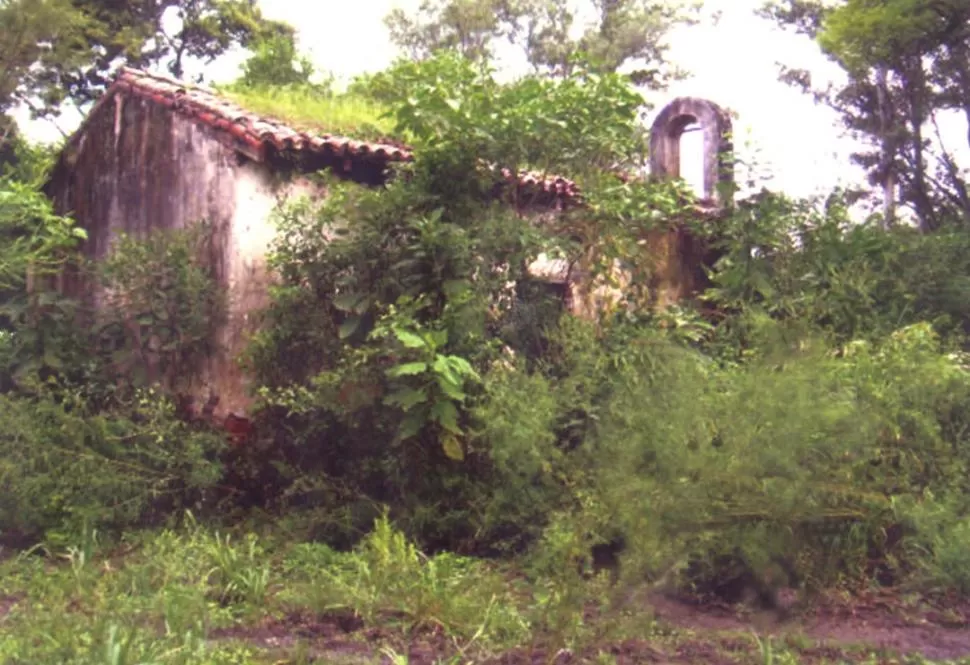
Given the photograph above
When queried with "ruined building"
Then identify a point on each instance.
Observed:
(156, 153)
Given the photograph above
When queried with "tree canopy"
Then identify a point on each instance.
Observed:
(624, 33)
(56, 51)
(906, 61)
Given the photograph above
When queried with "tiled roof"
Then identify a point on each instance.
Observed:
(263, 138)
(251, 134)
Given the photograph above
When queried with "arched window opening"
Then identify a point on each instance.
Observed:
(687, 139)
(692, 158)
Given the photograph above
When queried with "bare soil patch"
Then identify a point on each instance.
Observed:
(938, 629)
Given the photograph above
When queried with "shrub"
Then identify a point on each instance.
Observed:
(64, 468)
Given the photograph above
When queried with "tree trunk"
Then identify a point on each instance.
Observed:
(888, 157)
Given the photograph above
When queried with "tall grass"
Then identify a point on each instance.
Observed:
(308, 110)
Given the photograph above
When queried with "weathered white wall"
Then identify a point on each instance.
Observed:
(137, 167)
(251, 231)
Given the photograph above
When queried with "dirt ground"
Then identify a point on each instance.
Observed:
(832, 630)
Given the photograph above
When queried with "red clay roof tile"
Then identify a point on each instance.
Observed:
(254, 131)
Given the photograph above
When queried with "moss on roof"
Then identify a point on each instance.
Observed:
(305, 110)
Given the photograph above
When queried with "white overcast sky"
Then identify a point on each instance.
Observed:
(732, 61)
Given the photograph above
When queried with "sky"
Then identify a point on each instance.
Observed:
(732, 61)
(795, 145)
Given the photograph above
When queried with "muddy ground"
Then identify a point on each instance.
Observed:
(831, 630)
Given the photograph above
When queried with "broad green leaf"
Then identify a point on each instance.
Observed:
(452, 447)
(406, 398)
(450, 388)
(347, 301)
(442, 366)
(462, 366)
(364, 305)
(440, 338)
(411, 425)
(445, 413)
(349, 327)
(409, 339)
(407, 369)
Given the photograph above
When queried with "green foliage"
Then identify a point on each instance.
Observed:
(409, 363)
(387, 575)
(34, 238)
(579, 125)
(863, 33)
(65, 466)
(36, 245)
(940, 547)
(709, 451)
(907, 66)
(90, 38)
(803, 451)
(428, 386)
(275, 62)
(86, 440)
(545, 31)
(805, 264)
(161, 599)
(315, 109)
(392, 303)
(38, 35)
(161, 306)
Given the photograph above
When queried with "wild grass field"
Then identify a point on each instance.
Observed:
(191, 595)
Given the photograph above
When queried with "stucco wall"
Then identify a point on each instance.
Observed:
(136, 167)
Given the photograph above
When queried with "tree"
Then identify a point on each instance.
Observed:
(626, 32)
(275, 62)
(906, 63)
(62, 50)
(467, 26)
(37, 35)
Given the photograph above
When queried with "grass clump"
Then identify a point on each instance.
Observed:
(180, 595)
(310, 110)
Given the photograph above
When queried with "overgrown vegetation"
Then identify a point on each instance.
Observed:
(443, 450)
(88, 433)
(316, 111)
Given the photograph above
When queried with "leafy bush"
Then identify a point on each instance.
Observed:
(805, 262)
(65, 468)
(392, 304)
(161, 307)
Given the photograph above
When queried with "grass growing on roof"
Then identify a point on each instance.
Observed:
(308, 110)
